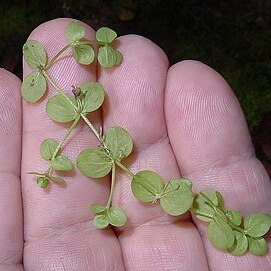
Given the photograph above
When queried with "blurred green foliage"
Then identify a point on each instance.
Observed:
(232, 36)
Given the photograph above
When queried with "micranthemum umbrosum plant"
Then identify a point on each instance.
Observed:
(226, 230)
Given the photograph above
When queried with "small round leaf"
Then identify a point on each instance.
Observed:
(93, 96)
(97, 208)
(100, 222)
(201, 206)
(105, 34)
(34, 54)
(60, 109)
(257, 246)
(177, 198)
(234, 217)
(62, 163)
(147, 185)
(116, 216)
(47, 148)
(220, 234)
(74, 32)
(57, 180)
(33, 87)
(119, 58)
(42, 182)
(107, 56)
(94, 163)
(240, 245)
(214, 196)
(119, 142)
(84, 54)
(257, 224)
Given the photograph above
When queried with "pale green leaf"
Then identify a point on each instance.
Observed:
(93, 96)
(34, 54)
(62, 163)
(47, 148)
(57, 179)
(74, 32)
(105, 34)
(97, 208)
(60, 109)
(147, 185)
(177, 197)
(257, 224)
(107, 56)
(116, 216)
(33, 87)
(257, 246)
(94, 162)
(220, 234)
(100, 221)
(240, 245)
(84, 54)
(201, 206)
(119, 58)
(214, 196)
(42, 182)
(119, 142)
(234, 217)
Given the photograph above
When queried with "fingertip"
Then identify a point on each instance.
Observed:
(136, 89)
(51, 35)
(204, 119)
(195, 76)
(10, 86)
(56, 26)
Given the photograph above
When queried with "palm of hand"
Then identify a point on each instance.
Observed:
(184, 121)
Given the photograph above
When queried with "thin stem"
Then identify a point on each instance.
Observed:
(113, 179)
(54, 59)
(207, 200)
(66, 136)
(89, 42)
(124, 168)
(201, 213)
(58, 89)
(236, 227)
(93, 129)
(60, 144)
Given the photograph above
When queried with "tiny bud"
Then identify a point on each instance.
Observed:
(42, 182)
(76, 91)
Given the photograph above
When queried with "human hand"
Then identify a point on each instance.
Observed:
(184, 121)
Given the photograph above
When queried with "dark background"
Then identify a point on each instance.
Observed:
(232, 36)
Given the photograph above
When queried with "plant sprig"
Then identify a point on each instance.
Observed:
(227, 229)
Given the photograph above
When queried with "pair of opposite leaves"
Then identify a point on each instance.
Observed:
(34, 85)
(227, 230)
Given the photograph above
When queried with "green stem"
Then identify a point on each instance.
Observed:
(235, 227)
(93, 129)
(66, 136)
(90, 42)
(58, 89)
(54, 59)
(124, 168)
(113, 179)
(62, 142)
(201, 213)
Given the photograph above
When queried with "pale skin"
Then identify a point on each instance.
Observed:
(184, 120)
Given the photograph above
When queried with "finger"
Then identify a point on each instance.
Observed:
(210, 139)
(135, 93)
(11, 215)
(57, 227)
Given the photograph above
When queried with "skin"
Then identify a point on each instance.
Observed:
(185, 121)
